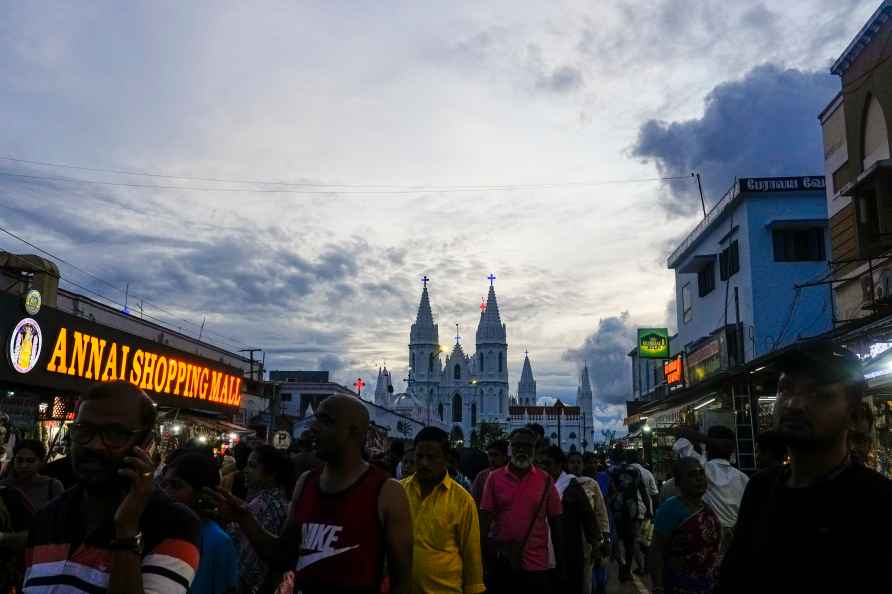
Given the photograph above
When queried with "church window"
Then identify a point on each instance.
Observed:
(440, 411)
(554, 436)
(456, 372)
(572, 436)
(500, 362)
(474, 414)
(456, 409)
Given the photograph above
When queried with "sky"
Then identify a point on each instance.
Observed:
(346, 149)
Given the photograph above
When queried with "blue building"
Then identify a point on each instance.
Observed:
(736, 274)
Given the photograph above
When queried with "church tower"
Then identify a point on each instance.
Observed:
(384, 388)
(424, 353)
(526, 388)
(584, 401)
(492, 360)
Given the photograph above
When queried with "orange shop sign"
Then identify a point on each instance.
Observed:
(83, 356)
(674, 371)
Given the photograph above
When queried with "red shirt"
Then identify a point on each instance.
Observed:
(342, 547)
(513, 500)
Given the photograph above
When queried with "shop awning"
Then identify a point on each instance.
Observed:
(207, 422)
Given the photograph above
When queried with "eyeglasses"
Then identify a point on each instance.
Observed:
(113, 436)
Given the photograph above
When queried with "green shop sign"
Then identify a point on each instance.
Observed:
(653, 343)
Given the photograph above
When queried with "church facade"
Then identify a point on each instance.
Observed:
(457, 390)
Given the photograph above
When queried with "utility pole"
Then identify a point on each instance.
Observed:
(251, 355)
(700, 187)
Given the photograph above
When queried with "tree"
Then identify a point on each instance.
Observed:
(609, 436)
(486, 434)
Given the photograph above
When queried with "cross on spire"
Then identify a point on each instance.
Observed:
(359, 385)
(457, 337)
(491, 278)
(425, 280)
(526, 352)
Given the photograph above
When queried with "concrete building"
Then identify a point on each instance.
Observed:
(858, 170)
(737, 272)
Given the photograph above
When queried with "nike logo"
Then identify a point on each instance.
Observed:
(307, 560)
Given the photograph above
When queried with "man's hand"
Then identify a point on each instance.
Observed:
(139, 470)
(229, 507)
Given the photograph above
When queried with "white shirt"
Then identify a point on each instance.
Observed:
(725, 484)
(563, 482)
(650, 485)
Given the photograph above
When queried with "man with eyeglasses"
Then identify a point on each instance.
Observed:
(821, 523)
(112, 532)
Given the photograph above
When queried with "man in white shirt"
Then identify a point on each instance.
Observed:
(725, 484)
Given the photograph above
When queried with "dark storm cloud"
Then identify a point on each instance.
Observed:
(331, 363)
(763, 125)
(606, 352)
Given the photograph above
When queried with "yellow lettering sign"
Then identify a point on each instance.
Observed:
(58, 361)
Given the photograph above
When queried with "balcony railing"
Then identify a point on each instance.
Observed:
(714, 214)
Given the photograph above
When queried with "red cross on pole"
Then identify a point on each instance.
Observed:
(359, 385)
(482, 305)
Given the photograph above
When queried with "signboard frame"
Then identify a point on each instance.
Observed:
(653, 343)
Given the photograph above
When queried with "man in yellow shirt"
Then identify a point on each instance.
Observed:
(446, 557)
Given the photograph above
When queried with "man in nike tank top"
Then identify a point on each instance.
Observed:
(348, 520)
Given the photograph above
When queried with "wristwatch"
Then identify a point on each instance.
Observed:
(132, 544)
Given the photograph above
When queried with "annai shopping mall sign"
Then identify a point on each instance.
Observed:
(56, 350)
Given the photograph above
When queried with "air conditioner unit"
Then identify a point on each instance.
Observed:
(884, 286)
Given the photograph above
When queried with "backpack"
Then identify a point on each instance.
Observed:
(629, 487)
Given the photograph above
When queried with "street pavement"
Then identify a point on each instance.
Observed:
(638, 585)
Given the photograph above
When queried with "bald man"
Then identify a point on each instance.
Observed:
(346, 519)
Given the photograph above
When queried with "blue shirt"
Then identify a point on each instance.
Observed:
(603, 478)
(218, 564)
(670, 515)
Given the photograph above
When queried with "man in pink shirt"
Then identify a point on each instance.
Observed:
(519, 516)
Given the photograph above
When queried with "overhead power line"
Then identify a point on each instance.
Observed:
(111, 285)
(306, 187)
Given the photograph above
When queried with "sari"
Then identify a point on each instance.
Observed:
(693, 554)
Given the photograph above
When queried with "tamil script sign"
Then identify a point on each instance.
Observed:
(653, 343)
(782, 184)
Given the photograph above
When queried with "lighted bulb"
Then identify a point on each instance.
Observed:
(233, 436)
(177, 428)
(202, 439)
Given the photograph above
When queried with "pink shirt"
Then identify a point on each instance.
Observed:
(512, 500)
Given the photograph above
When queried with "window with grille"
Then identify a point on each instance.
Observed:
(706, 279)
(729, 261)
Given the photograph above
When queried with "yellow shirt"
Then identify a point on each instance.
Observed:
(446, 556)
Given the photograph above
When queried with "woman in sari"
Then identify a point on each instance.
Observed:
(687, 537)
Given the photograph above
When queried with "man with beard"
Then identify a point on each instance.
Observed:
(346, 520)
(519, 510)
(820, 523)
(113, 532)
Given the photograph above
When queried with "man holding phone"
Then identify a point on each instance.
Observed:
(113, 532)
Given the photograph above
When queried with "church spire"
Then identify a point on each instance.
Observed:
(585, 385)
(491, 328)
(424, 331)
(526, 388)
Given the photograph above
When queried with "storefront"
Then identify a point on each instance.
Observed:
(52, 356)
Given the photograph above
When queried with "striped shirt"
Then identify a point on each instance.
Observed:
(61, 559)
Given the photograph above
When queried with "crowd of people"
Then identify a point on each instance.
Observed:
(327, 519)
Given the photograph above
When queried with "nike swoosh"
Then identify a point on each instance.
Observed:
(306, 560)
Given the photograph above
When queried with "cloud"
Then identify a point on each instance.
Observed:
(606, 352)
(331, 363)
(762, 125)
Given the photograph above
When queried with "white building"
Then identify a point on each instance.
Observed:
(464, 390)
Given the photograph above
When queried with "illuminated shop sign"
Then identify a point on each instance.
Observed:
(653, 343)
(66, 354)
(674, 371)
(704, 361)
(94, 358)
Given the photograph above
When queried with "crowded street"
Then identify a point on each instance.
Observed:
(446, 298)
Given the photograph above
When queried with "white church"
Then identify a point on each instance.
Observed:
(457, 391)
